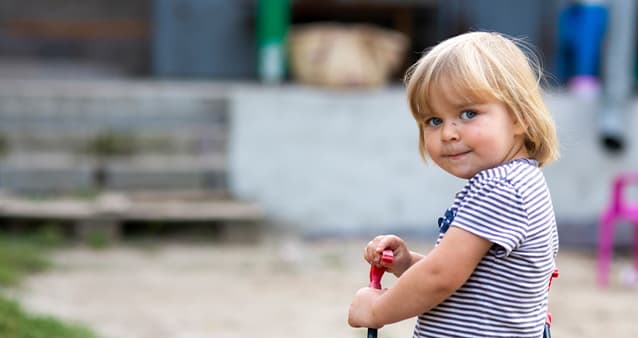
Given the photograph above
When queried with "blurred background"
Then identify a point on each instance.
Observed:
(266, 141)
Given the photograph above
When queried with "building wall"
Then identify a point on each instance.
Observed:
(346, 162)
(126, 55)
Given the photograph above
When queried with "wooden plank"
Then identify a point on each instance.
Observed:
(193, 211)
(68, 173)
(65, 209)
(141, 162)
(79, 29)
(104, 215)
(119, 207)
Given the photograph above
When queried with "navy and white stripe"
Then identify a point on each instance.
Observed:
(506, 296)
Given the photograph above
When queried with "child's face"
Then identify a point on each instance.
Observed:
(464, 138)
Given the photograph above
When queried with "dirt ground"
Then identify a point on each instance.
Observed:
(282, 288)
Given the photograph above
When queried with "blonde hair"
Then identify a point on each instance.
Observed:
(485, 66)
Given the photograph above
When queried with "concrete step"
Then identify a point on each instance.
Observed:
(145, 135)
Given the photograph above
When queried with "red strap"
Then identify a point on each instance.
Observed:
(548, 319)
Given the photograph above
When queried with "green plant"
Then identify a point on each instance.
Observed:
(49, 235)
(108, 144)
(18, 258)
(4, 145)
(98, 239)
(112, 143)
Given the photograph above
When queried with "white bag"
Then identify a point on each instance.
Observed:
(337, 55)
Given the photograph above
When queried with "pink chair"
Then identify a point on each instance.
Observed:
(618, 209)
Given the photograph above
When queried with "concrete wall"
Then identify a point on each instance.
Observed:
(347, 162)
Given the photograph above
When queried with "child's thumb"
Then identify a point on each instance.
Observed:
(388, 242)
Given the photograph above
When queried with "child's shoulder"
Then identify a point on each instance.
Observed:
(514, 173)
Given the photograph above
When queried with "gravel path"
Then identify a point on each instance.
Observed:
(289, 290)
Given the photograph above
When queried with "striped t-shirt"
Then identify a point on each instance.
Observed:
(506, 295)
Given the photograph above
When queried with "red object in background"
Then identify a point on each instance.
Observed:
(621, 207)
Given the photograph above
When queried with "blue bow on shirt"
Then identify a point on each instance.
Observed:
(446, 220)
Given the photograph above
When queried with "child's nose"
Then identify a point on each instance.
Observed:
(450, 131)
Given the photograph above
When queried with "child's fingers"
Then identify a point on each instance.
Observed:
(373, 250)
(370, 254)
(378, 245)
(391, 242)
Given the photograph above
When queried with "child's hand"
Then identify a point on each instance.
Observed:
(402, 256)
(360, 313)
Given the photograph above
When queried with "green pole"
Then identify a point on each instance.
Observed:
(273, 19)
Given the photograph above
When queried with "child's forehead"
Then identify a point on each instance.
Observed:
(453, 94)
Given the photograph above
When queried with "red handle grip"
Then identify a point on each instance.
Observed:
(377, 272)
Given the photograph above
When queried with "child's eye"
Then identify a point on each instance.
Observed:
(468, 114)
(433, 121)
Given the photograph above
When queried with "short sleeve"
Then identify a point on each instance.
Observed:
(494, 210)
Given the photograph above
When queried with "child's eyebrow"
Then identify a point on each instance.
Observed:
(426, 115)
(466, 107)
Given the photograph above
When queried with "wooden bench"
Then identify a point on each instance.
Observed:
(105, 213)
(157, 150)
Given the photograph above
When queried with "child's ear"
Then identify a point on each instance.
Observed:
(520, 126)
(519, 129)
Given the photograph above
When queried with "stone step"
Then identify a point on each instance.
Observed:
(144, 134)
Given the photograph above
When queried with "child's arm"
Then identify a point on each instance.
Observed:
(428, 282)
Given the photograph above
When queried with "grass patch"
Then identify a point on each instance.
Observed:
(98, 240)
(15, 323)
(20, 256)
